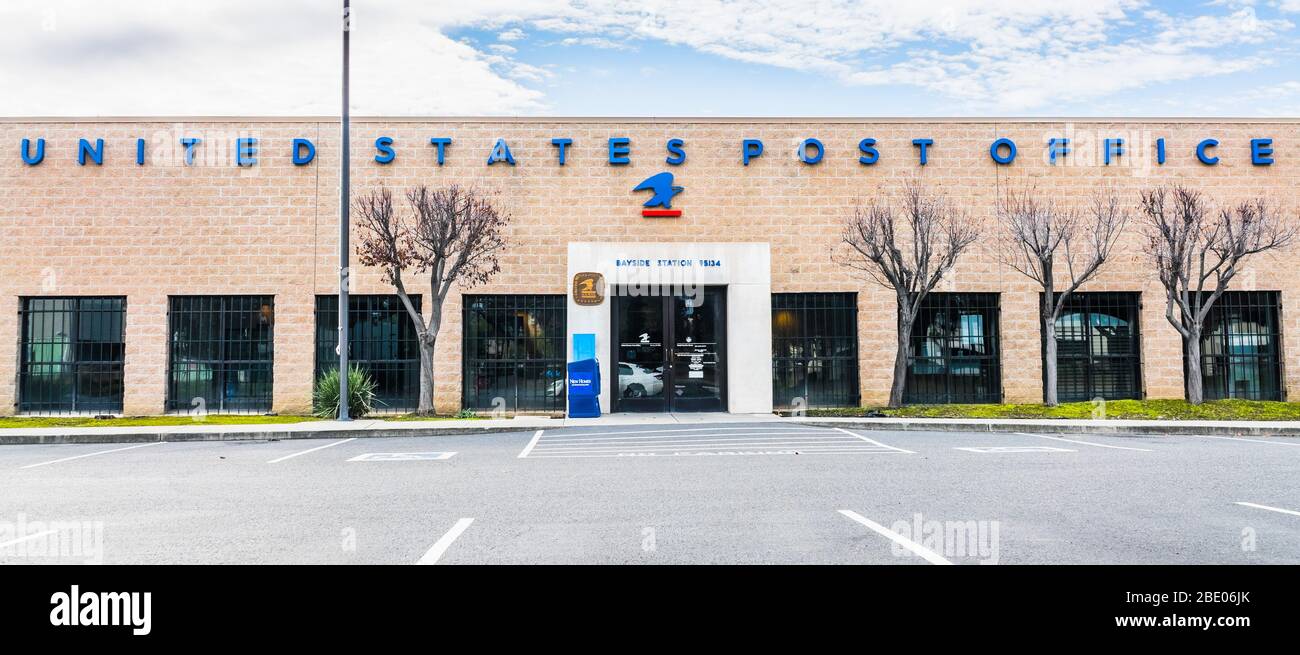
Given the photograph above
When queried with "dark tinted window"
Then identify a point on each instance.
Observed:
(220, 353)
(381, 340)
(1098, 347)
(1241, 347)
(814, 350)
(72, 355)
(953, 350)
(514, 352)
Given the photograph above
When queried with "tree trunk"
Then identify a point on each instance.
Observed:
(1049, 361)
(426, 375)
(428, 340)
(900, 361)
(1195, 388)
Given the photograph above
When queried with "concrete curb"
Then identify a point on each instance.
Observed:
(1117, 428)
(46, 436)
(259, 435)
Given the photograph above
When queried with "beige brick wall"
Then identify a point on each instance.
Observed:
(163, 229)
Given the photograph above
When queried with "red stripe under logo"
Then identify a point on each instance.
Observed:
(661, 213)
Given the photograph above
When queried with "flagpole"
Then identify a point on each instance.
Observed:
(344, 224)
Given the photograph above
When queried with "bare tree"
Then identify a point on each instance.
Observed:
(1038, 235)
(1197, 252)
(908, 249)
(453, 234)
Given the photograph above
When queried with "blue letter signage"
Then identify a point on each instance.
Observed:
(619, 150)
(303, 152)
(923, 145)
(815, 145)
(501, 152)
(995, 151)
(33, 159)
(1208, 160)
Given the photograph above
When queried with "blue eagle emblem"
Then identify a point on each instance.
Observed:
(662, 186)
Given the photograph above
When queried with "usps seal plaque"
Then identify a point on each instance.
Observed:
(588, 289)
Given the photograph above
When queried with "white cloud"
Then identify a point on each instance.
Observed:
(258, 57)
(245, 57)
(596, 42)
(999, 55)
(512, 35)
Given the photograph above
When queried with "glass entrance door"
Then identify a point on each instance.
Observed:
(669, 351)
(640, 360)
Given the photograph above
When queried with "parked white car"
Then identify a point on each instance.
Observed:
(635, 381)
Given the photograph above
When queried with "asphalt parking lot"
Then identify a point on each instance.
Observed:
(726, 493)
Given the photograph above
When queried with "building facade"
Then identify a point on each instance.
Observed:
(174, 265)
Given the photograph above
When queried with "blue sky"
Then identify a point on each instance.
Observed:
(655, 57)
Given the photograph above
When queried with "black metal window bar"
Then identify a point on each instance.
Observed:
(1098, 347)
(953, 354)
(220, 353)
(71, 355)
(814, 350)
(381, 341)
(514, 353)
(1241, 347)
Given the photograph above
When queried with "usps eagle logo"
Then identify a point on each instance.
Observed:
(661, 184)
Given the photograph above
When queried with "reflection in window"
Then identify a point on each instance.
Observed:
(381, 340)
(953, 351)
(72, 354)
(220, 353)
(514, 353)
(1097, 347)
(814, 350)
(1239, 347)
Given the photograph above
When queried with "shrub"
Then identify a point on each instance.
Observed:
(361, 394)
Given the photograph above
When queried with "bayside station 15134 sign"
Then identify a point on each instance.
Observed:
(619, 150)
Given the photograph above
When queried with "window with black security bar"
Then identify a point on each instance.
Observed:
(814, 350)
(1098, 347)
(1241, 347)
(513, 353)
(953, 353)
(381, 341)
(71, 355)
(220, 353)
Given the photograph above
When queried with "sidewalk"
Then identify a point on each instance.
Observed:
(378, 428)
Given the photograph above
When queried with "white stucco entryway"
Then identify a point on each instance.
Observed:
(743, 268)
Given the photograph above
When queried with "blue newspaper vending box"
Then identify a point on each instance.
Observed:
(584, 378)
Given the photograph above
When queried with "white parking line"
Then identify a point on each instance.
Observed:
(311, 450)
(439, 547)
(733, 440)
(1083, 443)
(689, 452)
(533, 442)
(6, 544)
(786, 428)
(404, 457)
(709, 443)
(1271, 509)
(873, 441)
(99, 452)
(929, 555)
(1000, 450)
(654, 438)
(1274, 443)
